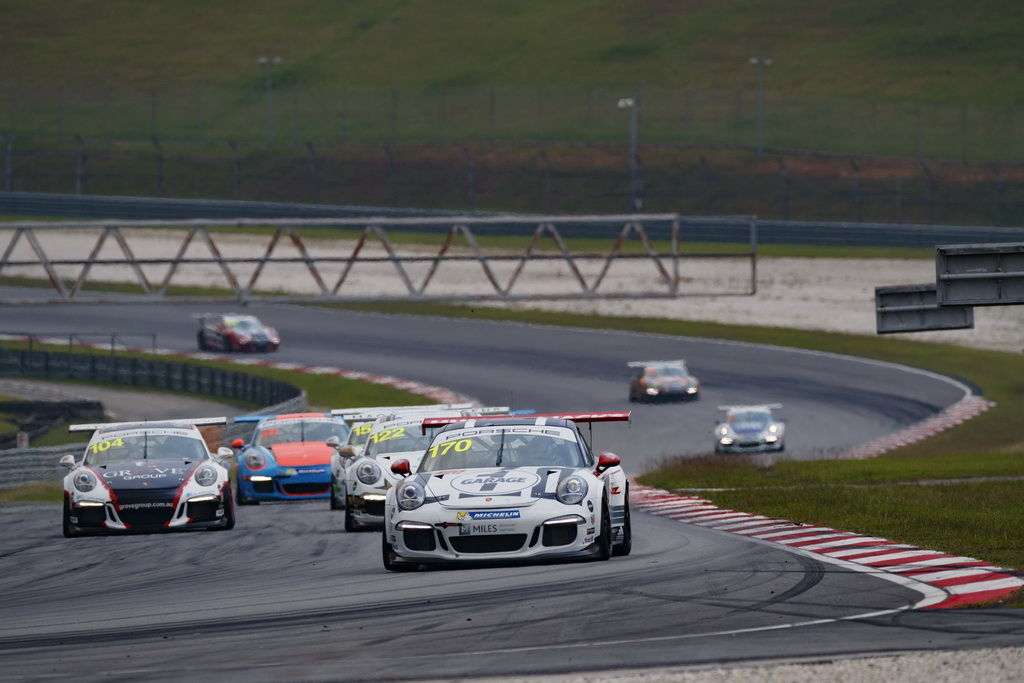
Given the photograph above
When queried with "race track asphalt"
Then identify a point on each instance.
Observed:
(289, 595)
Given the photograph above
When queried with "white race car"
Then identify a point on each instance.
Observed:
(147, 476)
(360, 422)
(367, 477)
(750, 429)
(508, 489)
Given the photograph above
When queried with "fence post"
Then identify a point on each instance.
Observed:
(1000, 192)
(159, 165)
(708, 184)
(929, 187)
(858, 190)
(8, 168)
(784, 188)
(963, 132)
(393, 116)
(470, 179)
(899, 199)
(314, 176)
(152, 112)
(392, 194)
(235, 168)
(545, 199)
(83, 158)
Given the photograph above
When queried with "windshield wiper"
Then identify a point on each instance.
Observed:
(501, 448)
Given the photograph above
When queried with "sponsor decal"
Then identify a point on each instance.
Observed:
(497, 483)
(485, 528)
(590, 531)
(150, 473)
(154, 505)
(486, 514)
(290, 471)
(615, 491)
(588, 539)
(590, 505)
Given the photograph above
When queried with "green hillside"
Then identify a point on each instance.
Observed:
(941, 51)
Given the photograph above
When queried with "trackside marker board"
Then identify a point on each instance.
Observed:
(980, 274)
(914, 308)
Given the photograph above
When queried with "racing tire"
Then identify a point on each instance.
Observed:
(604, 541)
(229, 512)
(625, 546)
(67, 527)
(351, 525)
(201, 341)
(335, 503)
(243, 499)
(391, 561)
(225, 345)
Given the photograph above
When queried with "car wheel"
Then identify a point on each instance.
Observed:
(67, 527)
(201, 340)
(604, 541)
(391, 561)
(337, 501)
(225, 345)
(350, 523)
(625, 546)
(244, 499)
(229, 512)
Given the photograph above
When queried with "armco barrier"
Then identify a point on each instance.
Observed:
(40, 464)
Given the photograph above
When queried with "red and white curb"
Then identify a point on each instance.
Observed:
(954, 580)
(958, 413)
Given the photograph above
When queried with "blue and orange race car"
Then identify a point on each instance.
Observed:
(287, 457)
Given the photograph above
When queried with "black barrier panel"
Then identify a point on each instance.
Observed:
(184, 377)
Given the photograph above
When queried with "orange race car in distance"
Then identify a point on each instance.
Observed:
(662, 380)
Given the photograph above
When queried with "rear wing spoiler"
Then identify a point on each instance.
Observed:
(770, 406)
(611, 416)
(260, 418)
(645, 363)
(197, 421)
(373, 412)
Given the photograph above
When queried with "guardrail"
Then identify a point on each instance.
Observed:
(18, 466)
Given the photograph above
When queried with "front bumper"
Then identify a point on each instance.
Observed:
(749, 446)
(197, 511)
(441, 535)
(286, 483)
(670, 394)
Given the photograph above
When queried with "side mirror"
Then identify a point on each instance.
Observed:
(224, 453)
(334, 442)
(237, 443)
(401, 468)
(67, 461)
(607, 460)
(347, 451)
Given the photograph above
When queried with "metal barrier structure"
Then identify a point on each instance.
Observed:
(117, 340)
(343, 244)
(19, 466)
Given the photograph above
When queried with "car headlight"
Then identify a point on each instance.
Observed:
(368, 472)
(725, 441)
(572, 490)
(774, 429)
(410, 496)
(84, 481)
(652, 391)
(723, 431)
(255, 461)
(206, 476)
(771, 438)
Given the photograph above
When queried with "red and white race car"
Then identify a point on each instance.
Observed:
(233, 332)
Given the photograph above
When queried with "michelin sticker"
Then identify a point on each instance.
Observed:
(486, 514)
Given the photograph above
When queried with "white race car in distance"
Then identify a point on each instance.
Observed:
(508, 489)
(750, 429)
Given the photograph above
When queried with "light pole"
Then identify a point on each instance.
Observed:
(760, 63)
(634, 124)
(269, 63)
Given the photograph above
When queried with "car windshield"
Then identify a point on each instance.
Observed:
(360, 433)
(669, 371)
(116, 450)
(298, 431)
(396, 440)
(510, 447)
(746, 420)
(248, 325)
